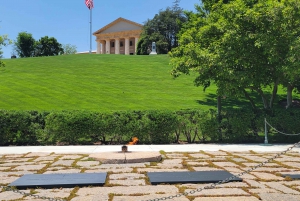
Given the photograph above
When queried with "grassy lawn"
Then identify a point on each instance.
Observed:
(96, 82)
(101, 83)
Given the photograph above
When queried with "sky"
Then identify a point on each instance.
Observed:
(69, 20)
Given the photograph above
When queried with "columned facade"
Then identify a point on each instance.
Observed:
(118, 37)
(102, 47)
(107, 42)
(136, 40)
(127, 46)
(117, 44)
(98, 47)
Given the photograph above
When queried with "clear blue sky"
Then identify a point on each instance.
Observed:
(68, 20)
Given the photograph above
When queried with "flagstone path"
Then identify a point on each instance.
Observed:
(128, 182)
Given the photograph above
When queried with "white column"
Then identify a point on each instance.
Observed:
(117, 46)
(126, 46)
(107, 47)
(98, 47)
(136, 42)
(102, 47)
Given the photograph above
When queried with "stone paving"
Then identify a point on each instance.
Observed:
(129, 182)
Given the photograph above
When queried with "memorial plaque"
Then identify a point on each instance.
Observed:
(293, 176)
(59, 180)
(196, 177)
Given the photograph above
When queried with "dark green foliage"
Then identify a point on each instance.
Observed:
(189, 125)
(158, 127)
(151, 127)
(126, 125)
(25, 45)
(286, 121)
(48, 47)
(242, 46)
(209, 127)
(162, 30)
(236, 126)
(17, 127)
(68, 127)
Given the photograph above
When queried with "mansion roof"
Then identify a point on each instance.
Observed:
(119, 25)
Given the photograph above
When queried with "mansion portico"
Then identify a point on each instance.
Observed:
(119, 37)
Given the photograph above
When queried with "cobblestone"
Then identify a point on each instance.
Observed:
(267, 176)
(254, 183)
(225, 164)
(126, 176)
(238, 198)
(206, 169)
(282, 188)
(29, 167)
(293, 164)
(8, 195)
(88, 164)
(37, 154)
(128, 182)
(197, 163)
(263, 190)
(147, 197)
(200, 156)
(278, 197)
(63, 163)
(220, 191)
(113, 170)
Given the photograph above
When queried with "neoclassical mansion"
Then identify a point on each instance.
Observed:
(118, 37)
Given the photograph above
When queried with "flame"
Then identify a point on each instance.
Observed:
(135, 140)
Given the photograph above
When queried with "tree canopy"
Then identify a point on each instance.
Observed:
(242, 45)
(25, 45)
(69, 49)
(48, 47)
(162, 29)
(3, 42)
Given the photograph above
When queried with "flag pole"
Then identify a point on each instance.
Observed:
(91, 30)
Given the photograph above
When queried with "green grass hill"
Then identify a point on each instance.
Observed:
(96, 82)
(103, 83)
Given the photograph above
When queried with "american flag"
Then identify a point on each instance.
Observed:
(89, 4)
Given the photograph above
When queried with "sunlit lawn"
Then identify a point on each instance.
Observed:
(101, 83)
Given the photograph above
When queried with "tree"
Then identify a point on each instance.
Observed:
(163, 30)
(48, 47)
(3, 42)
(25, 45)
(69, 49)
(240, 46)
(208, 4)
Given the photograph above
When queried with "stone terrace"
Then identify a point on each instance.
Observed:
(128, 182)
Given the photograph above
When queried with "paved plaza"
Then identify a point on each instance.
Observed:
(129, 182)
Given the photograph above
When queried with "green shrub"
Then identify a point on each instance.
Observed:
(285, 121)
(238, 126)
(17, 127)
(157, 127)
(68, 127)
(151, 127)
(126, 125)
(190, 124)
(209, 126)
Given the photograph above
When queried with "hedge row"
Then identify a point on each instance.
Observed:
(151, 127)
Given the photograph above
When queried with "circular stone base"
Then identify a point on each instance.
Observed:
(126, 157)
